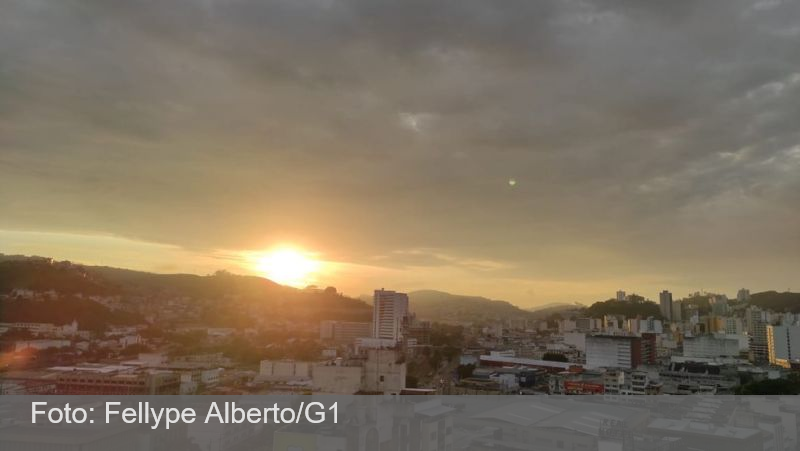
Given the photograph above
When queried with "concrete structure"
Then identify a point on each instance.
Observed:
(709, 346)
(344, 332)
(783, 344)
(390, 310)
(553, 367)
(39, 345)
(115, 381)
(612, 351)
(576, 339)
(337, 377)
(677, 312)
(665, 303)
(743, 295)
(650, 325)
(756, 320)
(719, 305)
(613, 382)
(621, 295)
(384, 372)
(284, 370)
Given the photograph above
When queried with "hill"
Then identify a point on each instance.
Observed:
(445, 307)
(222, 299)
(41, 274)
(632, 307)
(779, 302)
(559, 308)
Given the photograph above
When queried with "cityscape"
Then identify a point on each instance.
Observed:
(376, 225)
(167, 341)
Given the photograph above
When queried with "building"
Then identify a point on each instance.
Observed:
(284, 370)
(757, 330)
(665, 302)
(416, 332)
(613, 351)
(613, 381)
(677, 312)
(734, 326)
(709, 346)
(639, 383)
(338, 377)
(113, 381)
(719, 305)
(743, 295)
(621, 295)
(546, 365)
(650, 325)
(344, 332)
(390, 310)
(384, 372)
(783, 344)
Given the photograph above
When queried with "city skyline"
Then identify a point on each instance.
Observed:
(536, 153)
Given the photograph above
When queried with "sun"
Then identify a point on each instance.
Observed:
(287, 266)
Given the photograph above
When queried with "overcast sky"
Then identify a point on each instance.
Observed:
(524, 150)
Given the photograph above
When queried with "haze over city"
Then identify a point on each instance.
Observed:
(526, 151)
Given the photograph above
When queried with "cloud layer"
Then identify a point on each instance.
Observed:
(653, 144)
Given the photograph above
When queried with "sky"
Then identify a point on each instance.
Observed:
(536, 152)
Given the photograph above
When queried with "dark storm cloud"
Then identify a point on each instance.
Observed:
(658, 132)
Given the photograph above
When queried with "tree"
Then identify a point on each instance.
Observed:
(554, 357)
(465, 371)
(787, 386)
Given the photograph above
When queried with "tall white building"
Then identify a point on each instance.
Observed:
(665, 302)
(783, 343)
(389, 312)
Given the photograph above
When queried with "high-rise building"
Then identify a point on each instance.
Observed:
(757, 330)
(677, 312)
(665, 302)
(620, 295)
(389, 313)
(743, 295)
(783, 343)
(719, 304)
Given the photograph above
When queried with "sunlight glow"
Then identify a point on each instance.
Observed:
(288, 266)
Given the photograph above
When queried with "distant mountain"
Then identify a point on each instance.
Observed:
(445, 307)
(554, 305)
(546, 310)
(779, 302)
(224, 299)
(41, 274)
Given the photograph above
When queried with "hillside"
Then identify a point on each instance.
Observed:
(779, 302)
(39, 274)
(556, 308)
(445, 307)
(223, 299)
(631, 308)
